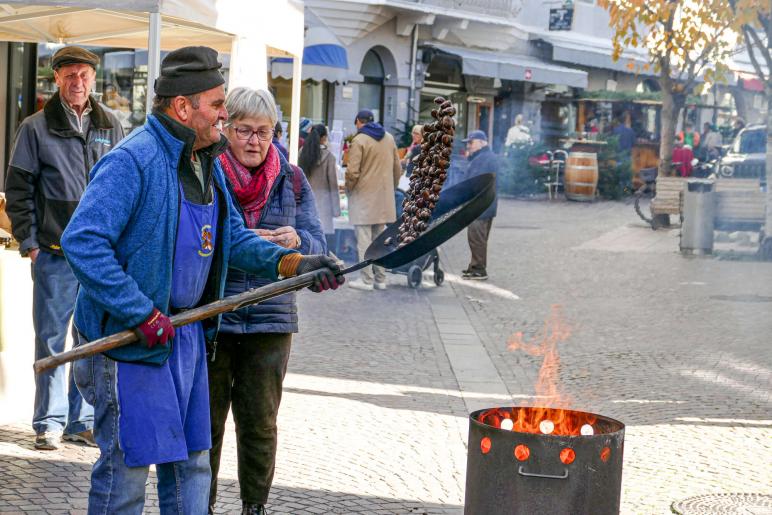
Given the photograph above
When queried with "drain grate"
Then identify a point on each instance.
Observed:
(713, 504)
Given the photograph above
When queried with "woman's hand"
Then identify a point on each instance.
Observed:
(286, 237)
(263, 233)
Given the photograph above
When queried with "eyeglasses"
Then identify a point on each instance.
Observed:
(245, 133)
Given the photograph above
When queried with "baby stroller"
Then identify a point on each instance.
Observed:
(414, 269)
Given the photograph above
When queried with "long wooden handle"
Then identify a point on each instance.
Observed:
(231, 303)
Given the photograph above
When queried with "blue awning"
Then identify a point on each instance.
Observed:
(333, 56)
(324, 58)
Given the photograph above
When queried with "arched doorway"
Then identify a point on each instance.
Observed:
(371, 91)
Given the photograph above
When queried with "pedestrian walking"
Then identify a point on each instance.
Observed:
(54, 150)
(277, 134)
(372, 175)
(154, 234)
(710, 147)
(519, 134)
(320, 168)
(253, 348)
(481, 161)
(682, 158)
(413, 150)
(689, 137)
(625, 136)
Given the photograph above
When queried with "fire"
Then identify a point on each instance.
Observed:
(539, 420)
(545, 420)
(546, 344)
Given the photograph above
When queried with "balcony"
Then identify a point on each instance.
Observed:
(501, 8)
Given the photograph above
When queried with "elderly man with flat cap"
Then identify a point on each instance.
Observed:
(55, 149)
(154, 234)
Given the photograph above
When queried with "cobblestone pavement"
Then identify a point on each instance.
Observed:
(374, 414)
(676, 348)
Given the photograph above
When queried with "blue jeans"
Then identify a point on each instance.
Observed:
(58, 404)
(183, 486)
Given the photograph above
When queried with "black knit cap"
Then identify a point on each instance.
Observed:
(189, 70)
(73, 55)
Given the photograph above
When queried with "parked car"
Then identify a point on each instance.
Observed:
(746, 157)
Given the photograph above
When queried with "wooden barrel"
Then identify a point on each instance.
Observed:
(581, 176)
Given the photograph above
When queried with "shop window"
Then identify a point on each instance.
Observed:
(371, 90)
(313, 99)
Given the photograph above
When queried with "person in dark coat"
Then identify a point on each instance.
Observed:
(277, 133)
(247, 371)
(54, 150)
(481, 161)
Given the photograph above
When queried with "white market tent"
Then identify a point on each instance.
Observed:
(250, 33)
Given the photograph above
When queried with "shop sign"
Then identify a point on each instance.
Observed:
(528, 74)
(561, 18)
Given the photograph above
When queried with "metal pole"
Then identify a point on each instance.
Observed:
(153, 57)
(413, 54)
(297, 62)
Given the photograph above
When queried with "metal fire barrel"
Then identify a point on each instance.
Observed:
(698, 217)
(518, 473)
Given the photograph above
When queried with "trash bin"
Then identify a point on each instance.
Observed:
(698, 212)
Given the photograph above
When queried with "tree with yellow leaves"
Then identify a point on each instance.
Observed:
(688, 41)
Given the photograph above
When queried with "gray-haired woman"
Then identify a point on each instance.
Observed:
(247, 368)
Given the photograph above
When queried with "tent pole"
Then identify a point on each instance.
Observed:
(295, 109)
(153, 57)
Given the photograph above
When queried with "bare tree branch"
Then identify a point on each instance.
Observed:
(753, 39)
(754, 59)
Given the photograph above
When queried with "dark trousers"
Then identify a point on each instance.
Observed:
(247, 376)
(477, 234)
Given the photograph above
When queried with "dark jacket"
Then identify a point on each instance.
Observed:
(481, 162)
(121, 240)
(286, 207)
(48, 171)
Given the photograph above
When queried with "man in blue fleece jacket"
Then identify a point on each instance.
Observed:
(153, 234)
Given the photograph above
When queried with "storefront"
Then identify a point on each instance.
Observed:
(491, 88)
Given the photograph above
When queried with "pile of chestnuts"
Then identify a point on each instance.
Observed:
(430, 169)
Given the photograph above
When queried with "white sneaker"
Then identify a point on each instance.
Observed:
(380, 286)
(359, 284)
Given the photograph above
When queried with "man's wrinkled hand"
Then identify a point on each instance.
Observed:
(327, 277)
(157, 328)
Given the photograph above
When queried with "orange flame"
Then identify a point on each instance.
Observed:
(546, 344)
(546, 420)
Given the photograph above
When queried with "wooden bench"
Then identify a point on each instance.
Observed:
(740, 205)
(669, 198)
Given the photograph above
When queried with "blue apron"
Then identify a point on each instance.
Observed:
(164, 410)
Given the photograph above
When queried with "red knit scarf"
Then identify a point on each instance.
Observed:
(252, 187)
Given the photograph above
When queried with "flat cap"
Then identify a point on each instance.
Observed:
(189, 70)
(73, 55)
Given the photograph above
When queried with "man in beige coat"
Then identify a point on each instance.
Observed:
(372, 174)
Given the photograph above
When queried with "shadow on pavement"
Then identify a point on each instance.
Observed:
(57, 482)
(409, 400)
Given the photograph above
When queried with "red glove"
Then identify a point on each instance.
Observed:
(157, 328)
